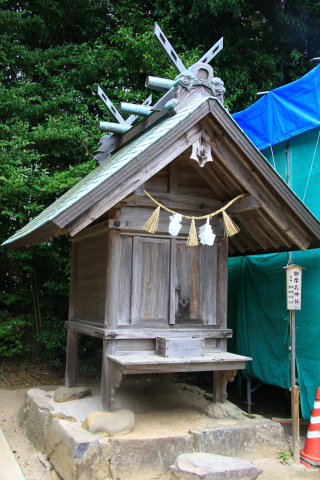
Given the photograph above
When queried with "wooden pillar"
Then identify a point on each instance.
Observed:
(222, 282)
(112, 280)
(220, 382)
(72, 336)
(110, 377)
(72, 359)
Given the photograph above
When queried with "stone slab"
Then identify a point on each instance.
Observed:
(255, 440)
(65, 394)
(146, 458)
(205, 466)
(75, 453)
(32, 416)
(9, 467)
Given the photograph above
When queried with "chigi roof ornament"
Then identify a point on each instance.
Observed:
(198, 79)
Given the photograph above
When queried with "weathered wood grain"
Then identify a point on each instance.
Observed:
(125, 288)
(137, 332)
(111, 377)
(91, 277)
(112, 280)
(222, 282)
(72, 359)
(150, 280)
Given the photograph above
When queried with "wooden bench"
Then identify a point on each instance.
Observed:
(223, 364)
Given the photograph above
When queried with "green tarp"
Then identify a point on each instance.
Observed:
(257, 291)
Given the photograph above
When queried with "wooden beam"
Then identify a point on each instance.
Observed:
(181, 202)
(128, 333)
(249, 202)
(90, 231)
(237, 244)
(212, 172)
(231, 249)
(252, 232)
(246, 240)
(262, 230)
(208, 178)
(238, 158)
(275, 228)
(238, 164)
(173, 178)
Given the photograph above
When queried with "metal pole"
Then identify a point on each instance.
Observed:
(294, 392)
(249, 395)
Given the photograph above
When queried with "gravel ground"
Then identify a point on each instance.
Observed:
(11, 400)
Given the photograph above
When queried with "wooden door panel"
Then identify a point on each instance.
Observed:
(196, 269)
(150, 280)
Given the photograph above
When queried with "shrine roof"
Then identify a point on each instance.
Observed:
(119, 160)
(151, 145)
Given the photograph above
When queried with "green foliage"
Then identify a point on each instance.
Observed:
(54, 53)
(285, 457)
(12, 331)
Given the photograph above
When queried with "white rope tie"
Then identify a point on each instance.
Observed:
(314, 155)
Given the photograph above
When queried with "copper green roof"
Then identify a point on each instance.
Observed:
(104, 172)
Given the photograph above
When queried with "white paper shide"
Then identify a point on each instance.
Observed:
(175, 224)
(206, 235)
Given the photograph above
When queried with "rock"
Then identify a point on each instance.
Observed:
(208, 396)
(55, 476)
(76, 453)
(250, 439)
(62, 416)
(204, 466)
(65, 394)
(32, 416)
(113, 424)
(45, 462)
(194, 389)
(221, 411)
(146, 458)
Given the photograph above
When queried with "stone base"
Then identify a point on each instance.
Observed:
(204, 466)
(80, 455)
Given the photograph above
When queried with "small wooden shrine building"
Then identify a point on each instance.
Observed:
(130, 286)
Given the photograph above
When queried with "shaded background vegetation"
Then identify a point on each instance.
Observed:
(53, 55)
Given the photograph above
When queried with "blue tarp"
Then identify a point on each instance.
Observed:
(283, 112)
(257, 300)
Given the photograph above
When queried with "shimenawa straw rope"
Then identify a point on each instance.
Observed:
(230, 227)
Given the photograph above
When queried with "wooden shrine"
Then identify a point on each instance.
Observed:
(129, 286)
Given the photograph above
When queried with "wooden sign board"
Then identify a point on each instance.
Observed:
(294, 284)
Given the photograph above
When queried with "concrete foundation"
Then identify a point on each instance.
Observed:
(167, 426)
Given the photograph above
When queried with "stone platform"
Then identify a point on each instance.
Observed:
(169, 421)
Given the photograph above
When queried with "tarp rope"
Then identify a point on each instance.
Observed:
(314, 155)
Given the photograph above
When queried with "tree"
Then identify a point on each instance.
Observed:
(54, 53)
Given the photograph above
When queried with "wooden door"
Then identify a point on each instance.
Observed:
(150, 281)
(193, 289)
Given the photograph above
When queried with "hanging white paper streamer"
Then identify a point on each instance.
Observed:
(175, 226)
(206, 235)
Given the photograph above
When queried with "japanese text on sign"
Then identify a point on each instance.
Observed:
(294, 282)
